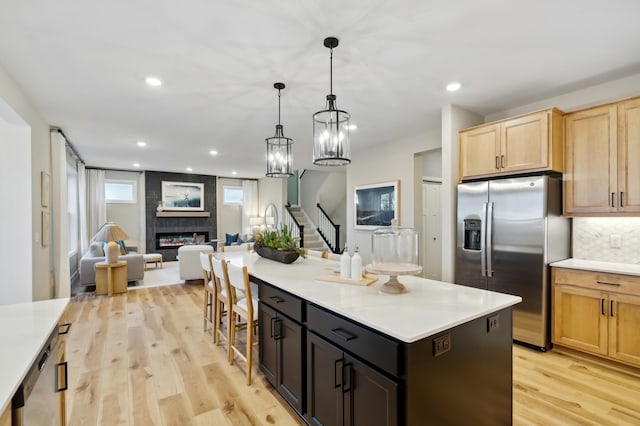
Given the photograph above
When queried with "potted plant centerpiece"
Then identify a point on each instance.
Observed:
(276, 245)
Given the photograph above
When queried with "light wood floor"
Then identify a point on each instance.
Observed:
(142, 358)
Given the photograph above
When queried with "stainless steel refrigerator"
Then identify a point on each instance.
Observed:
(508, 231)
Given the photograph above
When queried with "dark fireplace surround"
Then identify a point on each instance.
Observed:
(181, 227)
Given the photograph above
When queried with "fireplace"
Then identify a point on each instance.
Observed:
(174, 240)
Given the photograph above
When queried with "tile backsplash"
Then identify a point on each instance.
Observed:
(593, 238)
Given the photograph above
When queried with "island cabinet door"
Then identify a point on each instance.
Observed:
(290, 363)
(268, 350)
(325, 364)
(369, 397)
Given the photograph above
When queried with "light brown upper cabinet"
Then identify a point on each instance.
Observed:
(527, 143)
(602, 160)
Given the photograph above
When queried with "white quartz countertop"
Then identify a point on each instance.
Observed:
(597, 266)
(429, 307)
(25, 329)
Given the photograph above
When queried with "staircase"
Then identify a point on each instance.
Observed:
(311, 238)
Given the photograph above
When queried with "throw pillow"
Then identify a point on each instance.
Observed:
(230, 239)
(123, 248)
(95, 249)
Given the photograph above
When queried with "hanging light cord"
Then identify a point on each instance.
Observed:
(331, 71)
(278, 106)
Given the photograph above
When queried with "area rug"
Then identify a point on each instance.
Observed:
(169, 274)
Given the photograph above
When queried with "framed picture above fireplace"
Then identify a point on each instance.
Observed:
(183, 196)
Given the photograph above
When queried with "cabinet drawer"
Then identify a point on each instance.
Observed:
(281, 301)
(376, 349)
(617, 283)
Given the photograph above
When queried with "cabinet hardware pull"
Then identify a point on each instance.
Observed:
(613, 200)
(344, 335)
(497, 163)
(277, 329)
(64, 328)
(337, 369)
(621, 198)
(608, 283)
(277, 299)
(65, 376)
(602, 306)
(611, 308)
(502, 161)
(271, 321)
(347, 378)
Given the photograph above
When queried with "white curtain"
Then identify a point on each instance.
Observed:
(82, 207)
(142, 244)
(250, 203)
(59, 220)
(96, 206)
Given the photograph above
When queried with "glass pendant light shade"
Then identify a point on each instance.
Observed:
(279, 149)
(331, 144)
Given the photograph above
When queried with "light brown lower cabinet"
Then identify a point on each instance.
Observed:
(597, 313)
(5, 416)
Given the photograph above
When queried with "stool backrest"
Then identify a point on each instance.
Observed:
(205, 262)
(241, 247)
(219, 274)
(238, 278)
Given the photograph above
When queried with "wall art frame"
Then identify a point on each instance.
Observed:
(182, 196)
(376, 205)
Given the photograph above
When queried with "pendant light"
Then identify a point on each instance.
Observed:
(331, 145)
(279, 155)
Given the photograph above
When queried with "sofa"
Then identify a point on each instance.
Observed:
(235, 240)
(95, 254)
(189, 261)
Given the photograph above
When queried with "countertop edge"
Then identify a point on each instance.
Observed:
(6, 394)
(598, 266)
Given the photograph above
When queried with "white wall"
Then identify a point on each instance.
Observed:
(432, 163)
(272, 190)
(386, 162)
(15, 192)
(40, 259)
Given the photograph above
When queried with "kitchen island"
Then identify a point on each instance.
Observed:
(348, 354)
(26, 327)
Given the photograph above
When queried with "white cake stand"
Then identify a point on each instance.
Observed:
(393, 286)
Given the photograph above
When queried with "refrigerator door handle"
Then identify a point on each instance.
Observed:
(489, 238)
(483, 246)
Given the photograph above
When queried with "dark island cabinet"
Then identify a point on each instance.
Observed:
(281, 346)
(341, 390)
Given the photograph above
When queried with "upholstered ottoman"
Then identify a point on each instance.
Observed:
(152, 258)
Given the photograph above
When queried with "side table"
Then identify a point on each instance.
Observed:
(111, 277)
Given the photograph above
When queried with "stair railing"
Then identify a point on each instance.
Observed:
(292, 223)
(328, 230)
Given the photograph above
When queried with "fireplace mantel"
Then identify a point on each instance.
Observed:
(182, 214)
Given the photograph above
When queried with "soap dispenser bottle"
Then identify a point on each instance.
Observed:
(356, 266)
(345, 265)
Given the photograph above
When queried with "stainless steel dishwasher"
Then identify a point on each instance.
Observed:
(37, 402)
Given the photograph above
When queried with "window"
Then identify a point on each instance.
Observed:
(120, 191)
(233, 195)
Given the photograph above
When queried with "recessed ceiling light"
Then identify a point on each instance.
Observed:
(141, 143)
(213, 152)
(153, 81)
(189, 169)
(452, 87)
(136, 165)
(234, 173)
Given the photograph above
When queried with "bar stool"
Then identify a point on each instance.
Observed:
(246, 308)
(316, 253)
(222, 301)
(209, 293)
(242, 247)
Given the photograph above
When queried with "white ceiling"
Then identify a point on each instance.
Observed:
(83, 65)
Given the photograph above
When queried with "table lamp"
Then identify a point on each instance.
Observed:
(111, 232)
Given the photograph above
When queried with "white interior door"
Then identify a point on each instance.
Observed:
(432, 244)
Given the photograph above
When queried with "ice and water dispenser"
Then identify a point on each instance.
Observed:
(472, 234)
